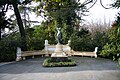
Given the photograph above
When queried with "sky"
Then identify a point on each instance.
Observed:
(97, 13)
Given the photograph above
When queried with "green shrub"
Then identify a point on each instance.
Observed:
(8, 46)
(48, 63)
(35, 44)
(81, 44)
(81, 41)
(8, 50)
(99, 39)
(112, 48)
(35, 39)
(43, 32)
(111, 51)
(119, 62)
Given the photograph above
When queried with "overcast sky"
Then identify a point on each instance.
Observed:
(98, 13)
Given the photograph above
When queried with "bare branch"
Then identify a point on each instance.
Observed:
(104, 6)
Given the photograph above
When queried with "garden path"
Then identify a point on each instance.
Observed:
(87, 69)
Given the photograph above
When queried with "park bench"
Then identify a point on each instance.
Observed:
(92, 54)
(31, 53)
(49, 49)
(21, 55)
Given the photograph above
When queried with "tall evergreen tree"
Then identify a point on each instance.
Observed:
(65, 13)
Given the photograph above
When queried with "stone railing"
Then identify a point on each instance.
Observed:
(49, 49)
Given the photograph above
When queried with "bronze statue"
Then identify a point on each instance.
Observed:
(59, 35)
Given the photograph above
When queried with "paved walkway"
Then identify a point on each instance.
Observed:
(86, 69)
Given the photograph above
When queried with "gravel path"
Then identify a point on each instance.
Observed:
(87, 69)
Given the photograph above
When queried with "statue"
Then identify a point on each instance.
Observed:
(59, 36)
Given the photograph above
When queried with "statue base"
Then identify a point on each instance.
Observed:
(59, 51)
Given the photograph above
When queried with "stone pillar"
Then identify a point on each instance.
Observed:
(18, 54)
(96, 50)
(46, 47)
(68, 42)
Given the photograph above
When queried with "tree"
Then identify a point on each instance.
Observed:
(66, 13)
(112, 47)
(81, 41)
(116, 4)
(4, 23)
(21, 28)
(25, 10)
(5, 4)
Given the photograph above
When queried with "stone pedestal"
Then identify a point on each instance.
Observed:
(59, 51)
(18, 54)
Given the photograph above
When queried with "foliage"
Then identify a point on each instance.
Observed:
(112, 48)
(8, 48)
(4, 23)
(66, 33)
(10, 42)
(111, 51)
(117, 21)
(84, 40)
(34, 42)
(99, 39)
(81, 41)
(46, 31)
(66, 13)
(5, 5)
(116, 4)
(54, 9)
(48, 63)
(119, 62)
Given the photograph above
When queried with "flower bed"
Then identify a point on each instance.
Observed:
(49, 63)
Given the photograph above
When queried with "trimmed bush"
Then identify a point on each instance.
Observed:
(81, 41)
(35, 44)
(8, 50)
(111, 51)
(48, 63)
(112, 48)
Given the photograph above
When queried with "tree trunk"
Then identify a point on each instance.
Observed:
(21, 28)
